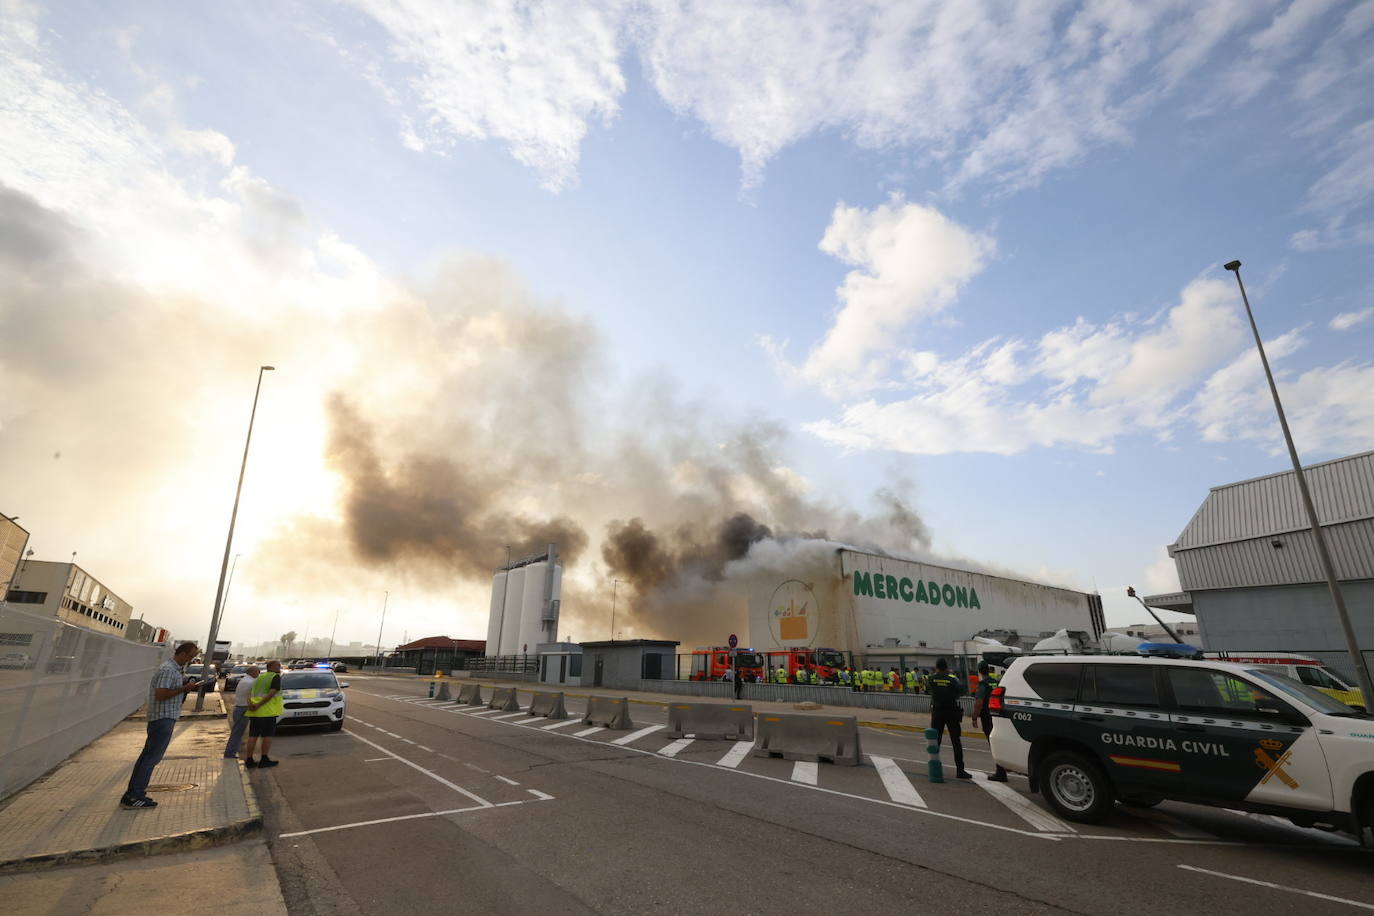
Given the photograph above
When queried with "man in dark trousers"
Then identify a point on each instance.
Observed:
(946, 713)
(987, 680)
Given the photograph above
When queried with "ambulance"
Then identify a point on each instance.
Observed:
(1090, 731)
(1311, 671)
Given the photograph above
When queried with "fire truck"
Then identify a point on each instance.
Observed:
(709, 663)
(825, 662)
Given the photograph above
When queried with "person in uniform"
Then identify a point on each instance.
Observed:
(945, 712)
(987, 680)
(910, 679)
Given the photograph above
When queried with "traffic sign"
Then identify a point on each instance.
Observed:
(734, 641)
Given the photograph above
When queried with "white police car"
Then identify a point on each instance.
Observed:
(1090, 730)
(311, 697)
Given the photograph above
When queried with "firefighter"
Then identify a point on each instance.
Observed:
(815, 678)
(945, 712)
(894, 680)
(910, 680)
(780, 675)
(842, 676)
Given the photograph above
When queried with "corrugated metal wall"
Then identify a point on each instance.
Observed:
(1258, 562)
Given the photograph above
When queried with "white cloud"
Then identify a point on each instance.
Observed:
(1347, 320)
(531, 75)
(909, 262)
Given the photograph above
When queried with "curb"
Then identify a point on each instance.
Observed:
(177, 842)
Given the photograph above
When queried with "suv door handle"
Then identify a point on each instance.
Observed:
(1087, 718)
(1190, 728)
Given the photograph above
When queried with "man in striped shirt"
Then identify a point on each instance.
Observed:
(165, 693)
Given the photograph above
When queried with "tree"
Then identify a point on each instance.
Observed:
(286, 641)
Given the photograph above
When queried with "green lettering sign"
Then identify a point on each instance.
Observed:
(878, 586)
(973, 598)
(961, 595)
(921, 592)
(905, 588)
(891, 584)
(947, 593)
(863, 585)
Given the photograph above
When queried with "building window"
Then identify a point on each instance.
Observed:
(17, 597)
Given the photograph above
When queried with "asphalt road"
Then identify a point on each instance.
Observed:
(419, 806)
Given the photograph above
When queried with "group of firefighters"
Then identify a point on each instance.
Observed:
(865, 680)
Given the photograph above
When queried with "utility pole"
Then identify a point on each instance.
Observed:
(386, 596)
(1351, 641)
(615, 583)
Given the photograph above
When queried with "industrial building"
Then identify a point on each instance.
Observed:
(69, 593)
(1248, 566)
(525, 597)
(13, 540)
(437, 653)
(893, 611)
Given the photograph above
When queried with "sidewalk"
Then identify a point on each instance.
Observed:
(72, 815)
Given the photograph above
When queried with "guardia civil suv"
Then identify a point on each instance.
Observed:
(1093, 730)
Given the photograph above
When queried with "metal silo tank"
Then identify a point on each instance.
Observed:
(498, 596)
(531, 607)
(510, 618)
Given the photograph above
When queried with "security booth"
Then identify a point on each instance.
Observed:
(626, 662)
(560, 663)
(437, 653)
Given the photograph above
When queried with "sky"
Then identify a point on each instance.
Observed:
(661, 281)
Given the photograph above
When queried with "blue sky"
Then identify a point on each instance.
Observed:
(971, 251)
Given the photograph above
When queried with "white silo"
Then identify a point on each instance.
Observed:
(498, 611)
(531, 607)
(510, 618)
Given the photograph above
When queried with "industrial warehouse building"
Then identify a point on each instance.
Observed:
(69, 593)
(1249, 571)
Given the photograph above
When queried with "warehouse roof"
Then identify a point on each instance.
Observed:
(1342, 491)
(445, 642)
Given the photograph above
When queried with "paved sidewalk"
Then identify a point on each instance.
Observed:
(72, 815)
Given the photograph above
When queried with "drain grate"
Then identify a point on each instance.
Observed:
(172, 787)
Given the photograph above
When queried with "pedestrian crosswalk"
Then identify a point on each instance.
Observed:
(885, 779)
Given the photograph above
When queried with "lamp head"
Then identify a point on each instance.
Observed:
(1232, 265)
(272, 368)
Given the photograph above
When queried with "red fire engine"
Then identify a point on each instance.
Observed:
(709, 663)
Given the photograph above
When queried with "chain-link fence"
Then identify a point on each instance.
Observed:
(61, 687)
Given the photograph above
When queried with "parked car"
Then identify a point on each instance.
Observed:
(300, 664)
(339, 667)
(231, 680)
(312, 697)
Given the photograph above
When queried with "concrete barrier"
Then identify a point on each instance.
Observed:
(504, 698)
(610, 712)
(811, 738)
(548, 705)
(443, 693)
(712, 721)
(471, 695)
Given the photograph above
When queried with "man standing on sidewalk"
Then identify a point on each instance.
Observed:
(946, 715)
(264, 708)
(242, 691)
(165, 693)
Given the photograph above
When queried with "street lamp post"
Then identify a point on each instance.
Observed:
(1351, 641)
(386, 596)
(229, 541)
(614, 584)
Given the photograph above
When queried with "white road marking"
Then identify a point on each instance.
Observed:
(1167, 822)
(423, 748)
(386, 820)
(588, 731)
(898, 787)
(488, 712)
(473, 766)
(407, 741)
(392, 734)
(507, 781)
(430, 773)
(472, 706)
(805, 772)
(375, 759)
(509, 715)
(1022, 806)
(736, 754)
(563, 724)
(676, 747)
(540, 795)
(640, 733)
(1279, 887)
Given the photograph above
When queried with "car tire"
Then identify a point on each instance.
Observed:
(1075, 787)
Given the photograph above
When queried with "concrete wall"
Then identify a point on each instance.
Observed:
(1293, 618)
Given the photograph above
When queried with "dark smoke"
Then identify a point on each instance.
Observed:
(431, 510)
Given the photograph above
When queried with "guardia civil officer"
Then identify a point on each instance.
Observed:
(945, 712)
(987, 680)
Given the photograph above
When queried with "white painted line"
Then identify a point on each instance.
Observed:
(588, 731)
(640, 733)
(376, 759)
(736, 754)
(1167, 822)
(423, 748)
(509, 715)
(1022, 806)
(473, 766)
(563, 724)
(392, 734)
(1280, 887)
(540, 795)
(676, 747)
(509, 782)
(470, 706)
(489, 712)
(898, 787)
(388, 820)
(805, 772)
(430, 773)
(407, 741)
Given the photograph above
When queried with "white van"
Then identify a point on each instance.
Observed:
(1092, 730)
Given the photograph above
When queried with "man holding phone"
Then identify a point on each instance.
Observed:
(165, 693)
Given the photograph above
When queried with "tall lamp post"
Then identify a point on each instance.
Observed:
(229, 541)
(386, 596)
(1352, 643)
(615, 583)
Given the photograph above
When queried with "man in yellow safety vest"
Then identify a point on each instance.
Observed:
(264, 709)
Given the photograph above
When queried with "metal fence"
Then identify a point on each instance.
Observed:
(511, 667)
(61, 687)
(798, 693)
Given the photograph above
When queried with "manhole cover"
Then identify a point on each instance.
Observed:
(168, 787)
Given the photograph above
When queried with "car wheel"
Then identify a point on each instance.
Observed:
(1141, 801)
(1076, 787)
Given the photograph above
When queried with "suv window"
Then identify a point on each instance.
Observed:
(1120, 685)
(1316, 677)
(1201, 690)
(1054, 682)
